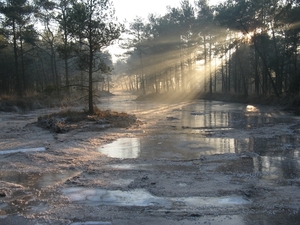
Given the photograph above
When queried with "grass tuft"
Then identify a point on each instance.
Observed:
(67, 120)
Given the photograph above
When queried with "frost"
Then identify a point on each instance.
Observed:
(41, 149)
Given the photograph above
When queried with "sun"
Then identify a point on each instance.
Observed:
(246, 37)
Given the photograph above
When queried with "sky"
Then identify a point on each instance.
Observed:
(129, 9)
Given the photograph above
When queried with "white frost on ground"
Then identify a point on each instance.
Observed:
(196, 190)
(40, 149)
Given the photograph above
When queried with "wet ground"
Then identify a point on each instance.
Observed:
(193, 162)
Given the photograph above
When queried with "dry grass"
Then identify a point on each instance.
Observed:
(67, 120)
(15, 104)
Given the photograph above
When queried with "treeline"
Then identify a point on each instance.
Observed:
(50, 45)
(239, 46)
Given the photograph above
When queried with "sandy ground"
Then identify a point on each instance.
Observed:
(73, 183)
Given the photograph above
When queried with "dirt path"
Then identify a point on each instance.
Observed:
(178, 173)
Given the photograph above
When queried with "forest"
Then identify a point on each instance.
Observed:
(245, 47)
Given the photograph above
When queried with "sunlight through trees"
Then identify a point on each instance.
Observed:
(245, 47)
(242, 47)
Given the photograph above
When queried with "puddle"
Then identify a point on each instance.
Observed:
(127, 166)
(123, 148)
(269, 158)
(91, 223)
(174, 147)
(94, 197)
(277, 167)
(37, 180)
(266, 134)
(218, 116)
(181, 146)
(30, 201)
(140, 197)
(245, 219)
(41, 149)
(121, 182)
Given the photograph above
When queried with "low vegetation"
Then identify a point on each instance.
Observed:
(14, 104)
(67, 120)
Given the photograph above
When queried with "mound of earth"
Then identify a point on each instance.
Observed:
(67, 120)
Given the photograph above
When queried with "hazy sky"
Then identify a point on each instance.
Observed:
(129, 9)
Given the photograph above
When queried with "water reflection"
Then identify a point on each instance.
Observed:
(123, 148)
(277, 167)
(268, 162)
(251, 108)
(174, 146)
(275, 155)
(214, 115)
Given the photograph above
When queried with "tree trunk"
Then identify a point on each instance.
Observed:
(17, 77)
(210, 70)
(267, 71)
(91, 57)
(91, 105)
(205, 63)
(23, 80)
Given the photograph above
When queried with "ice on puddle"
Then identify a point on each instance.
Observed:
(124, 148)
(234, 201)
(137, 197)
(41, 149)
(91, 223)
(140, 197)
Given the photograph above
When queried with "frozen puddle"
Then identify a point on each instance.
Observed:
(140, 197)
(91, 223)
(128, 166)
(172, 147)
(37, 180)
(123, 148)
(95, 197)
(274, 158)
(41, 149)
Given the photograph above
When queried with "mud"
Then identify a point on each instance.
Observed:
(196, 162)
